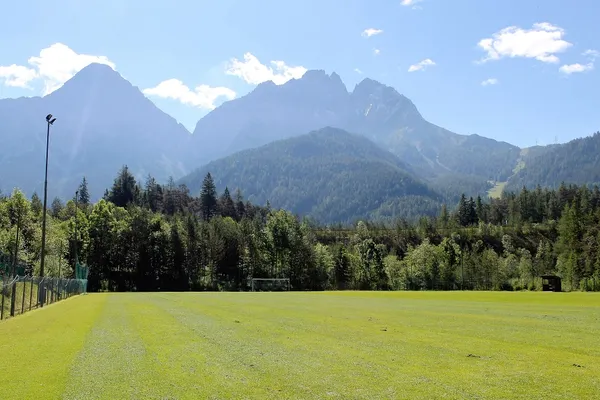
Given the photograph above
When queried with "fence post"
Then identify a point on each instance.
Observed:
(40, 292)
(31, 293)
(12, 297)
(23, 297)
(2, 311)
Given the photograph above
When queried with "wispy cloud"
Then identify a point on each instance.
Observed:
(54, 66)
(203, 96)
(574, 68)
(591, 53)
(254, 72)
(422, 65)
(542, 42)
(358, 71)
(17, 75)
(490, 81)
(411, 3)
(577, 67)
(371, 32)
(376, 52)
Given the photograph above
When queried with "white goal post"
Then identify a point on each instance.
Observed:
(284, 281)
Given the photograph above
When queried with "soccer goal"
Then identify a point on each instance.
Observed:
(269, 284)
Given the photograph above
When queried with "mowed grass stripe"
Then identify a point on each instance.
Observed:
(38, 348)
(114, 363)
(233, 367)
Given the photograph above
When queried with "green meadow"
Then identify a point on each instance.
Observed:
(327, 345)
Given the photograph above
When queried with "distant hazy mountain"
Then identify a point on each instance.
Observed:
(102, 123)
(330, 175)
(379, 112)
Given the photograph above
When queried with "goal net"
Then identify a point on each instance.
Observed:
(269, 284)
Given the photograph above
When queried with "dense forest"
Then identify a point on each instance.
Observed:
(147, 236)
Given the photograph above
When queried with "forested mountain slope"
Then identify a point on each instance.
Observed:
(329, 175)
(575, 162)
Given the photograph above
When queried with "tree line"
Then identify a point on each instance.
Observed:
(150, 237)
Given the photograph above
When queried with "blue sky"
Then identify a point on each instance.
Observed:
(538, 57)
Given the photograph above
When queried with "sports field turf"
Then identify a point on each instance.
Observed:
(431, 345)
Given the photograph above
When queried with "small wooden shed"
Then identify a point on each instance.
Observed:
(551, 283)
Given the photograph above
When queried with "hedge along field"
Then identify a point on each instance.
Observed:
(379, 345)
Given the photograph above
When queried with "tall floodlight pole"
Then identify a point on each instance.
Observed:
(76, 233)
(50, 121)
(14, 267)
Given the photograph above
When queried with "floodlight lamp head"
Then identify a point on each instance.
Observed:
(48, 117)
(52, 121)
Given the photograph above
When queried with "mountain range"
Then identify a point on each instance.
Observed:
(271, 143)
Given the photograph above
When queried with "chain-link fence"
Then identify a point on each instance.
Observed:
(24, 293)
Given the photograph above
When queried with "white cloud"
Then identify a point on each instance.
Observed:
(17, 75)
(358, 71)
(490, 81)
(573, 68)
(593, 54)
(58, 63)
(376, 52)
(254, 72)
(371, 32)
(54, 66)
(421, 65)
(409, 3)
(203, 96)
(542, 42)
(577, 67)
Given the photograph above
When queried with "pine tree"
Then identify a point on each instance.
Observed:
(444, 218)
(124, 190)
(480, 210)
(56, 207)
(208, 198)
(36, 204)
(84, 194)
(153, 194)
(240, 208)
(342, 268)
(169, 201)
(472, 211)
(467, 214)
(226, 205)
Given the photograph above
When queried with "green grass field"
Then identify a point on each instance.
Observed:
(352, 345)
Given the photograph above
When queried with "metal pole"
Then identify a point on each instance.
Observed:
(14, 288)
(462, 271)
(76, 235)
(59, 265)
(17, 243)
(42, 294)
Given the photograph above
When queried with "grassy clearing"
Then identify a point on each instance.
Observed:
(496, 191)
(306, 346)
